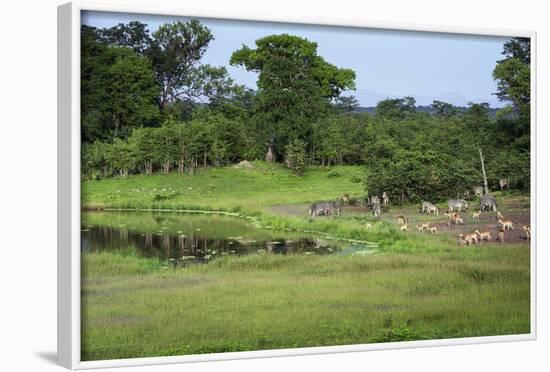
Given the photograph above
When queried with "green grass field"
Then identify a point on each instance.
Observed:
(416, 286)
(133, 308)
(229, 189)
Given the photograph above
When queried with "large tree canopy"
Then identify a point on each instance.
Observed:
(118, 89)
(295, 85)
(513, 75)
(134, 35)
(176, 52)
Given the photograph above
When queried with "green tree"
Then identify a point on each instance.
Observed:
(133, 35)
(145, 142)
(176, 52)
(444, 109)
(396, 108)
(346, 104)
(118, 90)
(296, 156)
(130, 92)
(94, 160)
(513, 74)
(121, 156)
(295, 86)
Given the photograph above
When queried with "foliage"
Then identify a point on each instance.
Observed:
(295, 86)
(151, 97)
(176, 50)
(118, 91)
(513, 75)
(444, 109)
(296, 156)
(398, 108)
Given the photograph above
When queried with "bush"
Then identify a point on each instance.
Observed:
(333, 174)
(296, 156)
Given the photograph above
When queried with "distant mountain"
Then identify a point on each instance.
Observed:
(426, 109)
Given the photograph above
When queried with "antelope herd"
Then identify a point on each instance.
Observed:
(454, 217)
(454, 209)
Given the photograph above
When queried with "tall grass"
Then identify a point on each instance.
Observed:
(271, 301)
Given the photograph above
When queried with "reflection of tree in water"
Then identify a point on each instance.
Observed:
(194, 247)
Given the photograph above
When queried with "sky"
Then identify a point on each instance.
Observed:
(428, 66)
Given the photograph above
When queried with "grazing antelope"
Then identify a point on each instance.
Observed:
(467, 239)
(501, 235)
(471, 238)
(527, 230)
(452, 216)
(404, 227)
(423, 227)
(433, 230)
(506, 225)
(475, 215)
(459, 221)
(401, 220)
(486, 235)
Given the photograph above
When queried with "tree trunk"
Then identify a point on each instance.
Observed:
(192, 166)
(269, 157)
(482, 159)
(181, 166)
(166, 167)
(148, 168)
(204, 159)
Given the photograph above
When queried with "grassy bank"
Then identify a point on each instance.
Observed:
(132, 307)
(230, 189)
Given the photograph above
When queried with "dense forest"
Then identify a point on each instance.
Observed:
(150, 104)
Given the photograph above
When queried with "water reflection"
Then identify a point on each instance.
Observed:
(195, 246)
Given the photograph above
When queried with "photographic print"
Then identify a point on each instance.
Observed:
(250, 185)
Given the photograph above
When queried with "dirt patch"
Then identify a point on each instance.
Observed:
(488, 222)
(513, 209)
(290, 209)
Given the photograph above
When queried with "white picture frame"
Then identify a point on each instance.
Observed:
(69, 184)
